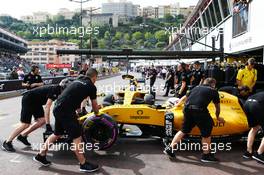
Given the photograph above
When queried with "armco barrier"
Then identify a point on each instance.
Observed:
(13, 88)
(13, 85)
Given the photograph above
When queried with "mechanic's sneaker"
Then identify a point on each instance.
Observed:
(88, 167)
(258, 157)
(8, 146)
(207, 158)
(24, 140)
(169, 152)
(247, 155)
(42, 160)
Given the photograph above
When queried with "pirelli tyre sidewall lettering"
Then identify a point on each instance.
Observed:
(101, 130)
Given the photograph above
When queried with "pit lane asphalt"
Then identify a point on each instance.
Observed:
(127, 156)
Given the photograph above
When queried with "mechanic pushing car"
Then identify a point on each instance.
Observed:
(65, 118)
(196, 113)
(32, 102)
(255, 115)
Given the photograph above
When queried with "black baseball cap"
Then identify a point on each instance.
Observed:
(197, 63)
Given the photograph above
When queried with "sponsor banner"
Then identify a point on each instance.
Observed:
(61, 66)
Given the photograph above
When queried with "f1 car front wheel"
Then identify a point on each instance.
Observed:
(100, 131)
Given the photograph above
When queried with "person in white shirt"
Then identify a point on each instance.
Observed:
(20, 72)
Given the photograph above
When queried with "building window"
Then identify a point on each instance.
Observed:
(43, 59)
(207, 14)
(205, 20)
(225, 8)
(217, 11)
(200, 24)
(212, 14)
(240, 18)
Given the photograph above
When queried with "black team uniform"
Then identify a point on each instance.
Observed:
(31, 78)
(32, 105)
(255, 115)
(67, 104)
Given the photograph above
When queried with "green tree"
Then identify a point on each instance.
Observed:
(118, 35)
(101, 44)
(139, 20)
(148, 36)
(127, 37)
(168, 18)
(140, 44)
(107, 35)
(160, 45)
(137, 36)
(58, 19)
(161, 36)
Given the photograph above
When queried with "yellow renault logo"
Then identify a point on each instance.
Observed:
(139, 112)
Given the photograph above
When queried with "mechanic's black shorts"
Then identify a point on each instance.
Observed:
(202, 119)
(255, 114)
(66, 122)
(30, 108)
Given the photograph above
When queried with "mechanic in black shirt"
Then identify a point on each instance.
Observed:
(32, 79)
(65, 117)
(32, 102)
(183, 81)
(241, 92)
(197, 114)
(169, 82)
(84, 69)
(255, 116)
(198, 75)
(85, 102)
(152, 77)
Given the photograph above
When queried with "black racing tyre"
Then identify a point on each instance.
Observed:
(100, 131)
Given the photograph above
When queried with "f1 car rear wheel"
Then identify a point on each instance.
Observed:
(100, 131)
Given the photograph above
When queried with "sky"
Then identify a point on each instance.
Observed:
(18, 8)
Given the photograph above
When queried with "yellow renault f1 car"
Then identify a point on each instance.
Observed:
(156, 120)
